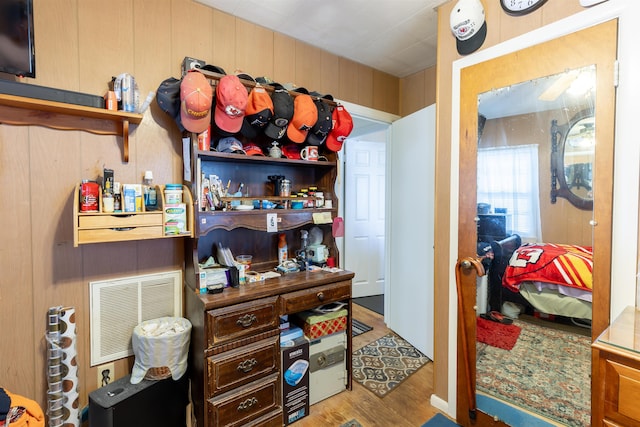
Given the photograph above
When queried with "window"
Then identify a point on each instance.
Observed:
(513, 185)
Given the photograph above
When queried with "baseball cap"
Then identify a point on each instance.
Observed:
(291, 151)
(168, 99)
(195, 102)
(318, 133)
(230, 145)
(282, 112)
(213, 68)
(342, 127)
(305, 115)
(252, 149)
(245, 76)
(468, 25)
(258, 113)
(231, 102)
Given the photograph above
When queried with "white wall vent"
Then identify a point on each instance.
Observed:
(118, 305)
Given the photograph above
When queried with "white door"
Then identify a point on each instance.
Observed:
(364, 211)
(410, 229)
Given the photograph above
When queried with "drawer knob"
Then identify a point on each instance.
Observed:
(320, 296)
(247, 404)
(247, 320)
(247, 365)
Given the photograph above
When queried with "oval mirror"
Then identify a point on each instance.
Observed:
(578, 158)
(572, 158)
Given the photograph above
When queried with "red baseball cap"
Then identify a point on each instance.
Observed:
(291, 151)
(342, 127)
(231, 103)
(196, 95)
(252, 149)
(305, 115)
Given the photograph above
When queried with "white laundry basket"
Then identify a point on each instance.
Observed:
(161, 348)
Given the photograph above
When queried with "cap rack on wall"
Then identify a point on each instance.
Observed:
(212, 75)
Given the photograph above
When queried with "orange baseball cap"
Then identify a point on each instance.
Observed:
(342, 127)
(231, 103)
(196, 96)
(258, 112)
(305, 115)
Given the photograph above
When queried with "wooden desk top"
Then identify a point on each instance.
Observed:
(624, 332)
(287, 283)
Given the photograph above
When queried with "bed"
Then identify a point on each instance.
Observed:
(552, 279)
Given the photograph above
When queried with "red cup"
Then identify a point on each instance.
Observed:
(331, 262)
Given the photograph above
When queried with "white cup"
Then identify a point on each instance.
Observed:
(309, 153)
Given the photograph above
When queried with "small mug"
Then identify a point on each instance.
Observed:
(309, 153)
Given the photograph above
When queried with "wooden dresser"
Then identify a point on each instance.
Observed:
(616, 373)
(234, 359)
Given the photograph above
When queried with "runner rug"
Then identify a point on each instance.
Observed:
(439, 420)
(359, 328)
(383, 364)
(547, 372)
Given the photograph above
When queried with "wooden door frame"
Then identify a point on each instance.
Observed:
(501, 72)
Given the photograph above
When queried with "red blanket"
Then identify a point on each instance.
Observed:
(567, 265)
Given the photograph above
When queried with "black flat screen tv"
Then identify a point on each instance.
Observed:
(17, 53)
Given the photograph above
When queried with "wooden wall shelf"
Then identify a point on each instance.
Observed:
(100, 227)
(18, 110)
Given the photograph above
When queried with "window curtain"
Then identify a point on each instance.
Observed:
(508, 179)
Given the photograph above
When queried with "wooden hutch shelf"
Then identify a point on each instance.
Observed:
(18, 110)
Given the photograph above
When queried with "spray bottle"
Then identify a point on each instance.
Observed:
(283, 252)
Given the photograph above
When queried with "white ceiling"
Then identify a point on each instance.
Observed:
(394, 36)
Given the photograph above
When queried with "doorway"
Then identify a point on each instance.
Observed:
(569, 52)
(361, 171)
(364, 205)
(406, 257)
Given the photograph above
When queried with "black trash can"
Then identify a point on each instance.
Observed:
(160, 403)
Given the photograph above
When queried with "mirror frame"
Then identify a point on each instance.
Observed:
(559, 186)
(503, 70)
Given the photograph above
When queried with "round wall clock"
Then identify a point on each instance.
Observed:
(520, 7)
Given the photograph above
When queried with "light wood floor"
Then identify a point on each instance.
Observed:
(406, 406)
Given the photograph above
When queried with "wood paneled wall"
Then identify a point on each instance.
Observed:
(417, 91)
(80, 45)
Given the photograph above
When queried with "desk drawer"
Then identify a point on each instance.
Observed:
(241, 320)
(138, 219)
(622, 389)
(274, 419)
(247, 404)
(114, 235)
(237, 367)
(307, 299)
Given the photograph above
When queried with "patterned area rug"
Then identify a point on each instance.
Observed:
(352, 423)
(547, 372)
(383, 364)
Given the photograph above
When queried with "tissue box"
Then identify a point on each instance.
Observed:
(316, 325)
(211, 276)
